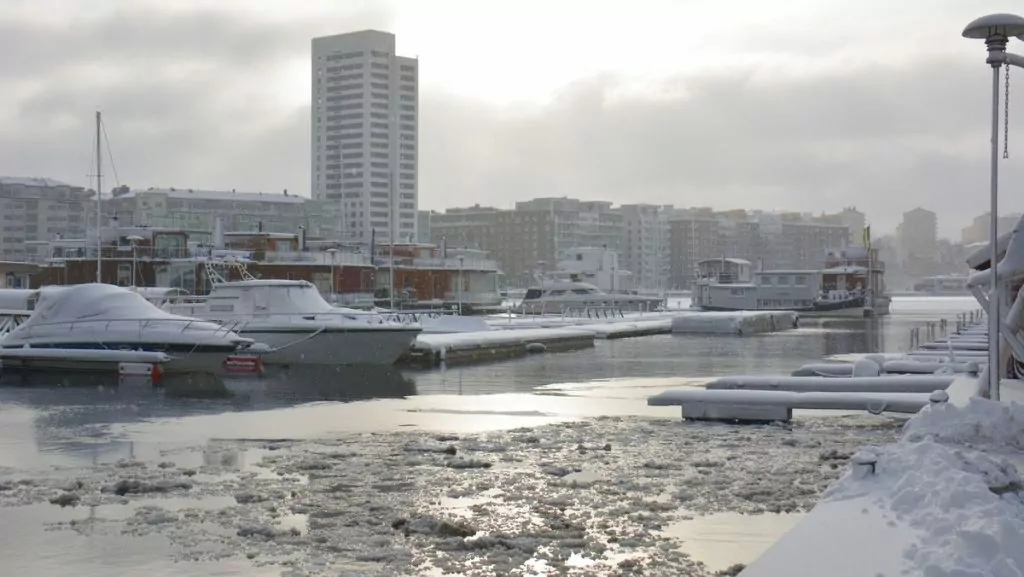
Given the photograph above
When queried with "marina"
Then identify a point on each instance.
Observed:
(401, 348)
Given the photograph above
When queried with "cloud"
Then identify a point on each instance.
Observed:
(194, 99)
(883, 138)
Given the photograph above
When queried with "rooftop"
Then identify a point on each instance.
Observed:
(222, 195)
(33, 181)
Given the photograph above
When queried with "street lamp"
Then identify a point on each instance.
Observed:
(996, 30)
(461, 257)
(134, 239)
(334, 254)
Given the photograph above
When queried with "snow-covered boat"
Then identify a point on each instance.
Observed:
(298, 325)
(101, 317)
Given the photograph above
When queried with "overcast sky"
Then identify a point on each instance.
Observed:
(790, 104)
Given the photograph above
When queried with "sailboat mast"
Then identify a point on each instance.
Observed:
(99, 189)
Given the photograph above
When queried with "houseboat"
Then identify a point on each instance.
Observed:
(427, 276)
(859, 266)
(730, 284)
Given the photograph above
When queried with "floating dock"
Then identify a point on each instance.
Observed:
(770, 406)
(735, 322)
(861, 382)
(430, 350)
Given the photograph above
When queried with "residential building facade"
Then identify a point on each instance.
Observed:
(36, 210)
(364, 130)
(198, 210)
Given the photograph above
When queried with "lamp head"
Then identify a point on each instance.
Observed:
(1008, 25)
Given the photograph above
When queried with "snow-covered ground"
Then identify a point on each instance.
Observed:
(598, 496)
(946, 500)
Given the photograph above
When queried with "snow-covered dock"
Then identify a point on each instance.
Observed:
(735, 322)
(759, 406)
(888, 384)
(431, 350)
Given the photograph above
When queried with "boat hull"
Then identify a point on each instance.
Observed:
(333, 346)
(853, 308)
(184, 359)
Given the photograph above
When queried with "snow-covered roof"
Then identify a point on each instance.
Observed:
(33, 181)
(845, 270)
(222, 195)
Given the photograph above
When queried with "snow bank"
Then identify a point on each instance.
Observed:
(951, 488)
(734, 322)
(981, 423)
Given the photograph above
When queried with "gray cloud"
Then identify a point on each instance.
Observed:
(884, 138)
(185, 98)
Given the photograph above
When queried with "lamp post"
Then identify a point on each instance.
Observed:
(134, 239)
(461, 257)
(996, 30)
(334, 255)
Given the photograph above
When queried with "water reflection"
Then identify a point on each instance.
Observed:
(67, 419)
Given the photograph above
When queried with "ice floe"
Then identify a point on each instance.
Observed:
(586, 497)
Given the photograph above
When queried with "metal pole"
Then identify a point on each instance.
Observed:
(99, 192)
(994, 296)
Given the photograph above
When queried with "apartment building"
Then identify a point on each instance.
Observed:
(39, 209)
(198, 210)
(788, 241)
(645, 242)
(364, 130)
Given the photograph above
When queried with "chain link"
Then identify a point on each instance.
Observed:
(1006, 113)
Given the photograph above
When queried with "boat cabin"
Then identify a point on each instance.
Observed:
(725, 270)
(787, 289)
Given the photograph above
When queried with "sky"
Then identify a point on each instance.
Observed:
(786, 105)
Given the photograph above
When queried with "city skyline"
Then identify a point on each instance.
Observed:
(217, 97)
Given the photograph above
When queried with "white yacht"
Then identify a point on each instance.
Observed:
(106, 317)
(554, 297)
(298, 325)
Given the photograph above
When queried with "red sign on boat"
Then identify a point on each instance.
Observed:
(243, 364)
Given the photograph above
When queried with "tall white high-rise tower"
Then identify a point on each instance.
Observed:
(364, 134)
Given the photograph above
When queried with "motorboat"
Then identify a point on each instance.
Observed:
(298, 325)
(557, 296)
(102, 317)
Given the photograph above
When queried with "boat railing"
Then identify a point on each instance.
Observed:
(241, 321)
(141, 323)
(592, 312)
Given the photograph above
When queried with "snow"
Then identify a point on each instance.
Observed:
(453, 324)
(736, 322)
(879, 384)
(946, 500)
(871, 402)
(445, 341)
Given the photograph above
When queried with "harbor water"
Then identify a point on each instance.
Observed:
(554, 461)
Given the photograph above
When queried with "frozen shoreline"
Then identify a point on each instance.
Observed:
(590, 496)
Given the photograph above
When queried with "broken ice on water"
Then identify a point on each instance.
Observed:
(587, 497)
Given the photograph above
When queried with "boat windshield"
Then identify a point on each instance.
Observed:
(533, 293)
(297, 299)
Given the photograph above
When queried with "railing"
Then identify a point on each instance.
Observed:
(592, 312)
(140, 324)
(467, 264)
(318, 257)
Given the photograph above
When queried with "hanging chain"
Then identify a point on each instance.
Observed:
(1006, 113)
